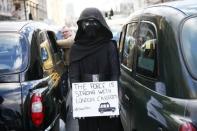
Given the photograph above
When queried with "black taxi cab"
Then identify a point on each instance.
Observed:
(158, 82)
(31, 77)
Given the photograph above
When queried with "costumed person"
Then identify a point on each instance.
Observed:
(94, 57)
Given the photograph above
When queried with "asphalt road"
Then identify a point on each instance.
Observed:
(71, 125)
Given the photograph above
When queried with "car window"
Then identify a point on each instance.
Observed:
(102, 106)
(129, 45)
(121, 41)
(13, 53)
(146, 58)
(46, 50)
(189, 46)
(35, 68)
(42, 37)
(44, 54)
(43, 40)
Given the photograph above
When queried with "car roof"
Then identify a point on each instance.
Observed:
(17, 26)
(12, 25)
(189, 7)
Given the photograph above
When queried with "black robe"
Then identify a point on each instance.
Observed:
(104, 62)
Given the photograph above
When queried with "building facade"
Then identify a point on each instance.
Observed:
(56, 12)
(36, 9)
(6, 8)
(29, 9)
(126, 7)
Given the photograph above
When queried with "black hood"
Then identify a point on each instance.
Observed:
(95, 14)
(85, 46)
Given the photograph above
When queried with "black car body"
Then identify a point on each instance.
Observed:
(158, 83)
(30, 77)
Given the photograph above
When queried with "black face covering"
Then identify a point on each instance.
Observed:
(90, 27)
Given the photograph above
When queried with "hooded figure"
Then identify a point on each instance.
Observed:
(94, 57)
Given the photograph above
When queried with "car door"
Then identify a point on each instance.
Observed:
(59, 68)
(154, 109)
(56, 52)
(149, 91)
(40, 87)
(145, 76)
(127, 49)
(52, 78)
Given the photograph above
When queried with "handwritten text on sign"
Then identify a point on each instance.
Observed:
(95, 99)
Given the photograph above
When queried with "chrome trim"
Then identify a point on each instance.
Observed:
(52, 124)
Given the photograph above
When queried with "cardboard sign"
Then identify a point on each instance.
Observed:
(95, 99)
